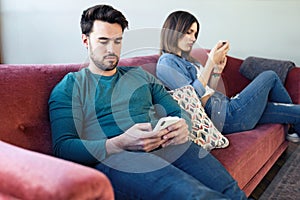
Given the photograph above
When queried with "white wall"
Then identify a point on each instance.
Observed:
(48, 31)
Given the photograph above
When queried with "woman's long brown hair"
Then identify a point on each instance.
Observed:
(175, 26)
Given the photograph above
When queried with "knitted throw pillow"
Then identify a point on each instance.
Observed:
(204, 133)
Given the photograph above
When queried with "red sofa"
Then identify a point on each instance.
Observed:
(29, 171)
(250, 154)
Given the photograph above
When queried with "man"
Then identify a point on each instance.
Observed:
(102, 116)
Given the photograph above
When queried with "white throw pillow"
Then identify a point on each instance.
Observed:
(204, 133)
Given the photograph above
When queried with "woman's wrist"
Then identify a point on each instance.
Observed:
(217, 70)
(216, 74)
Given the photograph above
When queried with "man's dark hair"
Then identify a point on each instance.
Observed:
(103, 13)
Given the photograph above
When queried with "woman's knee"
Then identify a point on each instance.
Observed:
(269, 74)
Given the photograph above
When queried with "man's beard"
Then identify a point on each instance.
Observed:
(111, 65)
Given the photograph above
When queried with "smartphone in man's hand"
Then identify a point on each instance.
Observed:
(165, 122)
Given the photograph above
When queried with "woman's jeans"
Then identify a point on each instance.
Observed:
(184, 171)
(263, 101)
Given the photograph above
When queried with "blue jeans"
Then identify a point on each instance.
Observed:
(184, 171)
(263, 101)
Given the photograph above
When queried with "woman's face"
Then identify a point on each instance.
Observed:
(187, 41)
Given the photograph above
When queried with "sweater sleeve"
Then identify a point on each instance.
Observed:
(165, 104)
(172, 75)
(66, 125)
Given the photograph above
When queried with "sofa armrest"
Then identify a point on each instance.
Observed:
(25, 174)
(233, 81)
(292, 84)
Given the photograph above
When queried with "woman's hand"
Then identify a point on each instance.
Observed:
(220, 67)
(219, 52)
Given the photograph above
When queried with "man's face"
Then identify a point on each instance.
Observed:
(104, 44)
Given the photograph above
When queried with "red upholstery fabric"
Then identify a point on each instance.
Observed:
(251, 153)
(29, 175)
(24, 92)
(250, 149)
(148, 63)
(293, 84)
(24, 95)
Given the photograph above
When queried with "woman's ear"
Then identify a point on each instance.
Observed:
(85, 41)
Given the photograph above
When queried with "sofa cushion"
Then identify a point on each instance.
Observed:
(204, 133)
(254, 147)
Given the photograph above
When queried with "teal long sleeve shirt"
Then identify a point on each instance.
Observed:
(86, 109)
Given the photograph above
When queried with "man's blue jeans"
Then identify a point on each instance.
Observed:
(184, 171)
(263, 101)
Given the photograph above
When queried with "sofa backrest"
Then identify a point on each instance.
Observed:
(148, 63)
(232, 81)
(24, 93)
(25, 90)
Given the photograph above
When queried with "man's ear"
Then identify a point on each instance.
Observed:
(85, 41)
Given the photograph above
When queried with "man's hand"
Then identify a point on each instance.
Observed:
(177, 134)
(139, 137)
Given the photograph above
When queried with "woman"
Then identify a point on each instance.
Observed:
(264, 100)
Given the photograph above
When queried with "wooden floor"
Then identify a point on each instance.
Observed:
(273, 171)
